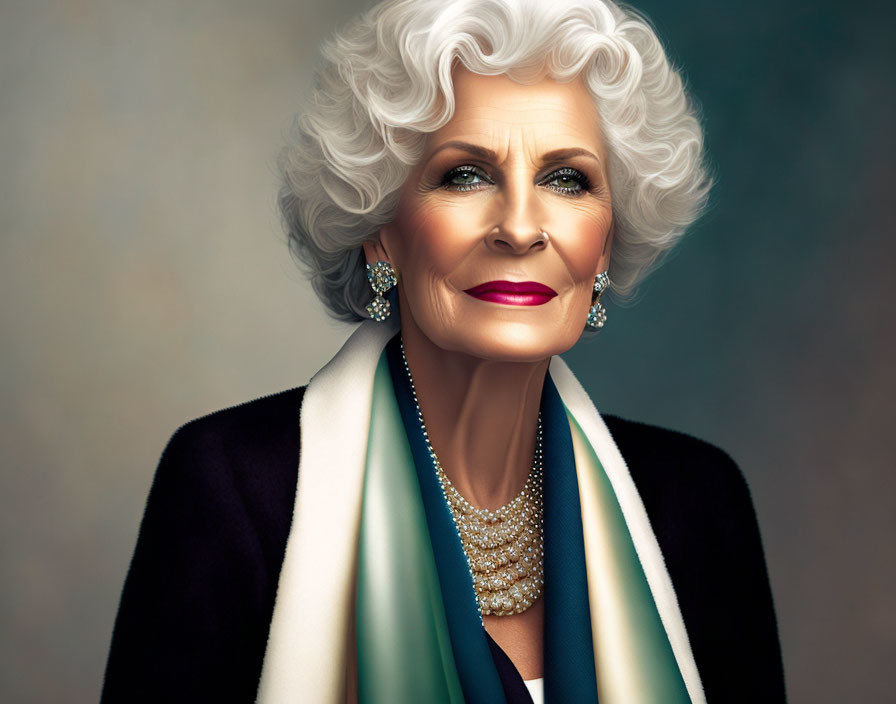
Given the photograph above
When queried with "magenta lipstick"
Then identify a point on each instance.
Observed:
(513, 293)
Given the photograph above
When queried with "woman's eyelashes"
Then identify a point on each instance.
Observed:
(566, 180)
(466, 178)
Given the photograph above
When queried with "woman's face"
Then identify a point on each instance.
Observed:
(503, 225)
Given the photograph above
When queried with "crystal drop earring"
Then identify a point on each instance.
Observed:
(382, 277)
(597, 315)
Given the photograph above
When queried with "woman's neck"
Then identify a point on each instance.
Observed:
(481, 417)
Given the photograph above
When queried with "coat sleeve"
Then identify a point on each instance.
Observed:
(194, 613)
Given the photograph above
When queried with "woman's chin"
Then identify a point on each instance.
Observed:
(506, 340)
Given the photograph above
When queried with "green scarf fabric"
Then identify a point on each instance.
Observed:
(404, 650)
(418, 635)
(374, 588)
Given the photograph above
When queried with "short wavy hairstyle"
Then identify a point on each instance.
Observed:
(384, 83)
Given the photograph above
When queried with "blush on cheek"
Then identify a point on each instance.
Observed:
(436, 250)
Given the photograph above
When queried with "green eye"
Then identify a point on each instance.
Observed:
(567, 181)
(465, 178)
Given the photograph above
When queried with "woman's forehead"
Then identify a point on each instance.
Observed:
(496, 110)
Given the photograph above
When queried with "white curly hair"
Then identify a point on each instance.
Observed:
(384, 82)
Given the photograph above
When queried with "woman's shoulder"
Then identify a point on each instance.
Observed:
(200, 589)
(249, 452)
(702, 515)
(658, 454)
(694, 493)
(262, 424)
(658, 441)
(686, 484)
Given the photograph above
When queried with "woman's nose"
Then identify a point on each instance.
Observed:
(518, 229)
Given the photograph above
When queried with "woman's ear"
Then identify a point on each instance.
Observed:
(374, 251)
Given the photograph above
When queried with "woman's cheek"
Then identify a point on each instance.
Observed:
(429, 297)
(443, 236)
(583, 244)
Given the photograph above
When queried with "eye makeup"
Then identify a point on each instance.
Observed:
(558, 174)
(465, 178)
(568, 181)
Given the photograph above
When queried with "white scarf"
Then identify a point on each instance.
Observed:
(308, 642)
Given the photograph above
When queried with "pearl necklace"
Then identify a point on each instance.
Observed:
(504, 547)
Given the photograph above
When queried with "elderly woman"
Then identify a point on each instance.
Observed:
(441, 515)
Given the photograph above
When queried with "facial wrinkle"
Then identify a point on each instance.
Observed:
(479, 364)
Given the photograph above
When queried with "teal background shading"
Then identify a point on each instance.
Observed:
(144, 281)
(772, 330)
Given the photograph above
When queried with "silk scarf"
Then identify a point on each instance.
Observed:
(374, 588)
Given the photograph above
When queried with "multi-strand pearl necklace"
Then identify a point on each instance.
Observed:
(504, 547)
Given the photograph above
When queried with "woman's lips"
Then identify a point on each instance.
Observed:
(513, 293)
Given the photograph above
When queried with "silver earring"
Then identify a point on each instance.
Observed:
(382, 277)
(597, 316)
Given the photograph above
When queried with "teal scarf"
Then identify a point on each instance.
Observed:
(439, 647)
(613, 632)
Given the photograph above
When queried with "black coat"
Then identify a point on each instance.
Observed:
(199, 595)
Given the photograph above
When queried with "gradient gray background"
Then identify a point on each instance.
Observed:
(144, 281)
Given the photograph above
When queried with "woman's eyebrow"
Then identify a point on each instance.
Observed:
(485, 154)
(563, 154)
(473, 149)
